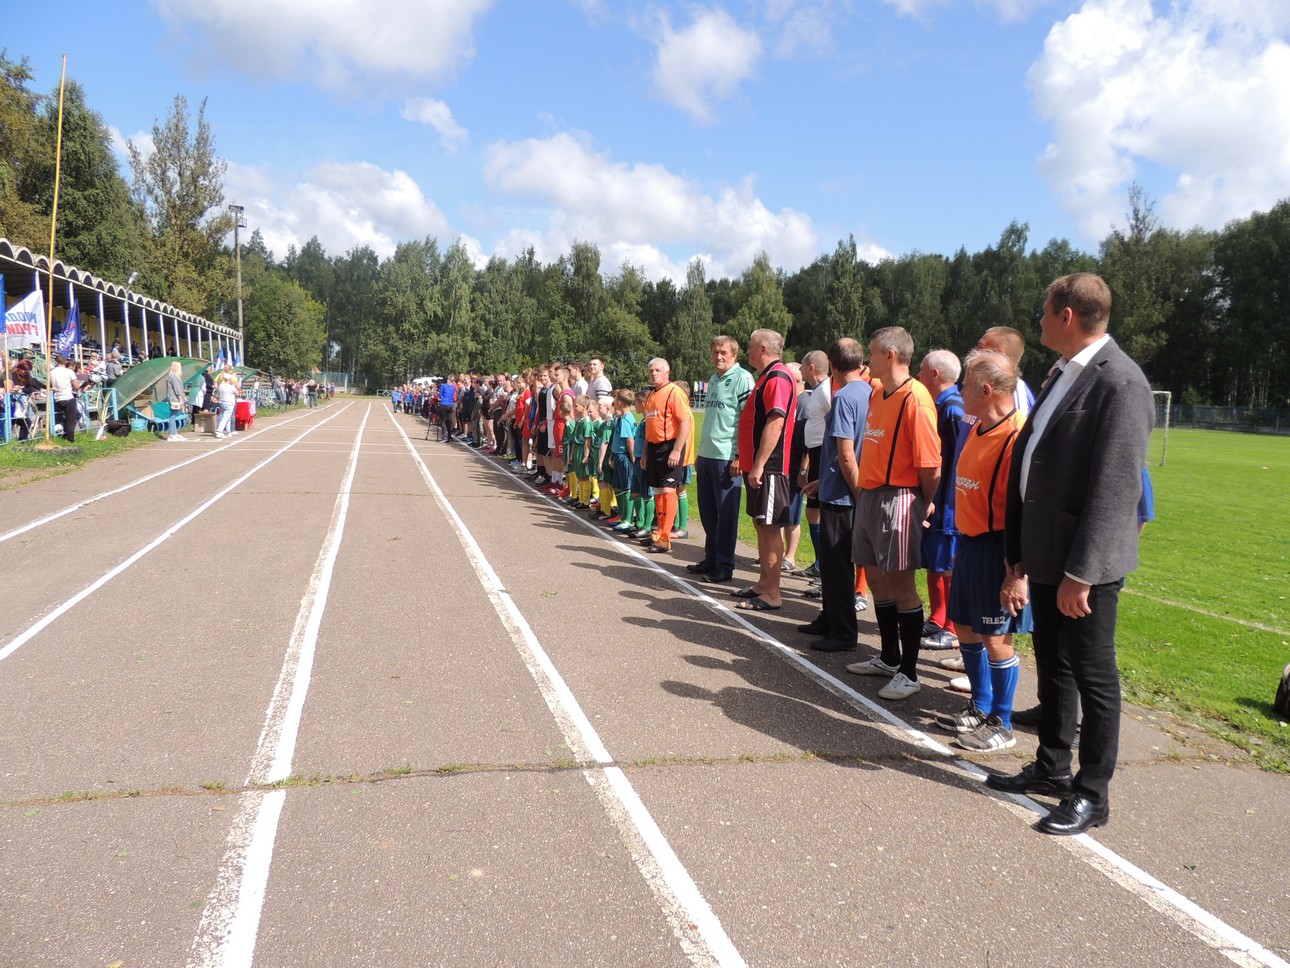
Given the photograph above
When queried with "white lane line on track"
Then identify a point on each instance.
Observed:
(54, 516)
(1206, 927)
(231, 918)
(24, 637)
(692, 920)
(1258, 626)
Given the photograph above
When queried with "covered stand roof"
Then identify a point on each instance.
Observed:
(20, 266)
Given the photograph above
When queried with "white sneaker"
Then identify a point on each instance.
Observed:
(961, 684)
(900, 687)
(873, 667)
(862, 603)
(953, 663)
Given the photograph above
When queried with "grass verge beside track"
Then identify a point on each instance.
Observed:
(21, 463)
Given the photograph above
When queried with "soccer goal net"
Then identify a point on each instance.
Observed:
(1160, 436)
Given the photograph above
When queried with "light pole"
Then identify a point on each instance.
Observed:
(239, 222)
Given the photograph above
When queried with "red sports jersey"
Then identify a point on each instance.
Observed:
(775, 392)
(981, 484)
(900, 436)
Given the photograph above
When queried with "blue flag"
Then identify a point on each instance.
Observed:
(70, 337)
(238, 359)
(2, 306)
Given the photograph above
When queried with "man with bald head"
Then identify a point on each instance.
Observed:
(765, 442)
(1009, 342)
(668, 426)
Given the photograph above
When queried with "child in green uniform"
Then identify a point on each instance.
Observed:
(642, 493)
(604, 460)
(622, 447)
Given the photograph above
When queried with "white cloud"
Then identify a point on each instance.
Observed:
(337, 42)
(704, 62)
(806, 27)
(642, 212)
(344, 204)
(439, 116)
(1007, 11)
(1201, 91)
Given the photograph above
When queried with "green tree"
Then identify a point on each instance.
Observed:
(761, 302)
(455, 332)
(687, 341)
(180, 185)
(1133, 266)
(806, 299)
(622, 336)
(284, 327)
(844, 310)
(98, 227)
(21, 158)
(1254, 340)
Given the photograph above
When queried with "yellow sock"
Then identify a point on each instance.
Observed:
(593, 490)
(607, 498)
(573, 485)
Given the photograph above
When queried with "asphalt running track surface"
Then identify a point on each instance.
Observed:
(330, 693)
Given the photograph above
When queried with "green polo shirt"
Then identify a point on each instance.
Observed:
(721, 408)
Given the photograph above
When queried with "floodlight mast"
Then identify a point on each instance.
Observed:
(239, 222)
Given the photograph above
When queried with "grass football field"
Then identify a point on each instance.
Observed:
(1204, 626)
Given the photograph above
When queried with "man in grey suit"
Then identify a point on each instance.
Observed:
(1071, 529)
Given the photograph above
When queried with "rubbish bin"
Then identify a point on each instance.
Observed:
(242, 416)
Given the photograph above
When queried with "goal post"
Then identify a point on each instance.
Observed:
(1163, 400)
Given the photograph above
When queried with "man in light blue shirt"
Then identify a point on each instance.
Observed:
(719, 483)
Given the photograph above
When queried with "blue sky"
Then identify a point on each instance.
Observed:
(664, 131)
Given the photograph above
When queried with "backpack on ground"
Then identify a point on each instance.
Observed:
(1282, 703)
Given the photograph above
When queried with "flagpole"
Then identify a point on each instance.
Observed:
(53, 229)
(7, 395)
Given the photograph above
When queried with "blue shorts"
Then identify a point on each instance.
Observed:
(795, 508)
(974, 592)
(938, 549)
(624, 473)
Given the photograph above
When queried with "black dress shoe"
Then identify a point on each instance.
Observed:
(1075, 815)
(1031, 779)
(717, 577)
(700, 568)
(830, 644)
(814, 627)
(1026, 717)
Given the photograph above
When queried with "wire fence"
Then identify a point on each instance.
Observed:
(1253, 420)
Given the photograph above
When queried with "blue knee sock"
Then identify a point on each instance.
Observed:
(814, 529)
(977, 666)
(1003, 682)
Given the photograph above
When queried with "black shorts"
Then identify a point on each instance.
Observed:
(658, 473)
(813, 473)
(769, 503)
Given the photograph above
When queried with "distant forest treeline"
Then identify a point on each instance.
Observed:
(1206, 313)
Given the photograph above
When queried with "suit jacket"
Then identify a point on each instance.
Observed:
(1080, 512)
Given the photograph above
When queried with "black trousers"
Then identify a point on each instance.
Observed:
(67, 416)
(837, 573)
(1075, 663)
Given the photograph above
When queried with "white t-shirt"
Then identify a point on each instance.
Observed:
(60, 380)
(817, 412)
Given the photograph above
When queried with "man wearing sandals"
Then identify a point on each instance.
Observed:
(765, 440)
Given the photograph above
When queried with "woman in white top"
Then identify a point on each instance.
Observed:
(226, 388)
